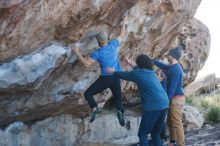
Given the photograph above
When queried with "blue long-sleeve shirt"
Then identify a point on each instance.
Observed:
(153, 96)
(174, 75)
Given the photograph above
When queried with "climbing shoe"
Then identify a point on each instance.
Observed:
(93, 115)
(121, 118)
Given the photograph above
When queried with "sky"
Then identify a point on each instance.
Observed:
(209, 13)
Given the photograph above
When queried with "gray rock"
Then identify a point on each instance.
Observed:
(68, 130)
(192, 118)
(208, 136)
(203, 85)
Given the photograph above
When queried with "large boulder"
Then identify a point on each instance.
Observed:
(203, 85)
(192, 118)
(40, 77)
(104, 131)
(68, 130)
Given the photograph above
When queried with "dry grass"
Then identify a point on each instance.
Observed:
(210, 104)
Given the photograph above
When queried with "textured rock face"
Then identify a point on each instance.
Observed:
(40, 77)
(68, 130)
(26, 24)
(196, 43)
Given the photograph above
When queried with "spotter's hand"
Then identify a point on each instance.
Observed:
(110, 70)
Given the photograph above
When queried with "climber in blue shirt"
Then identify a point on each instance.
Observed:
(106, 56)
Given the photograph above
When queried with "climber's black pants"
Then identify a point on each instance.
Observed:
(102, 83)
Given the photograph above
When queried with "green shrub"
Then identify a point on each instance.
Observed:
(213, 115)
(204, 103)
(217, 100)
(210, 105)
(189, 99)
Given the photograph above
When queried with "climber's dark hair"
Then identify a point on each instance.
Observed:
(144, 61)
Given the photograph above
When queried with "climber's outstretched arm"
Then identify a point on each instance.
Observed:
(86, 61)
(123, 30)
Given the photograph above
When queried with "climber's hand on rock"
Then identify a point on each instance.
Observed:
(110, 70)
(75, 50)
(129, 61)
(125, 20)
(71, 45)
